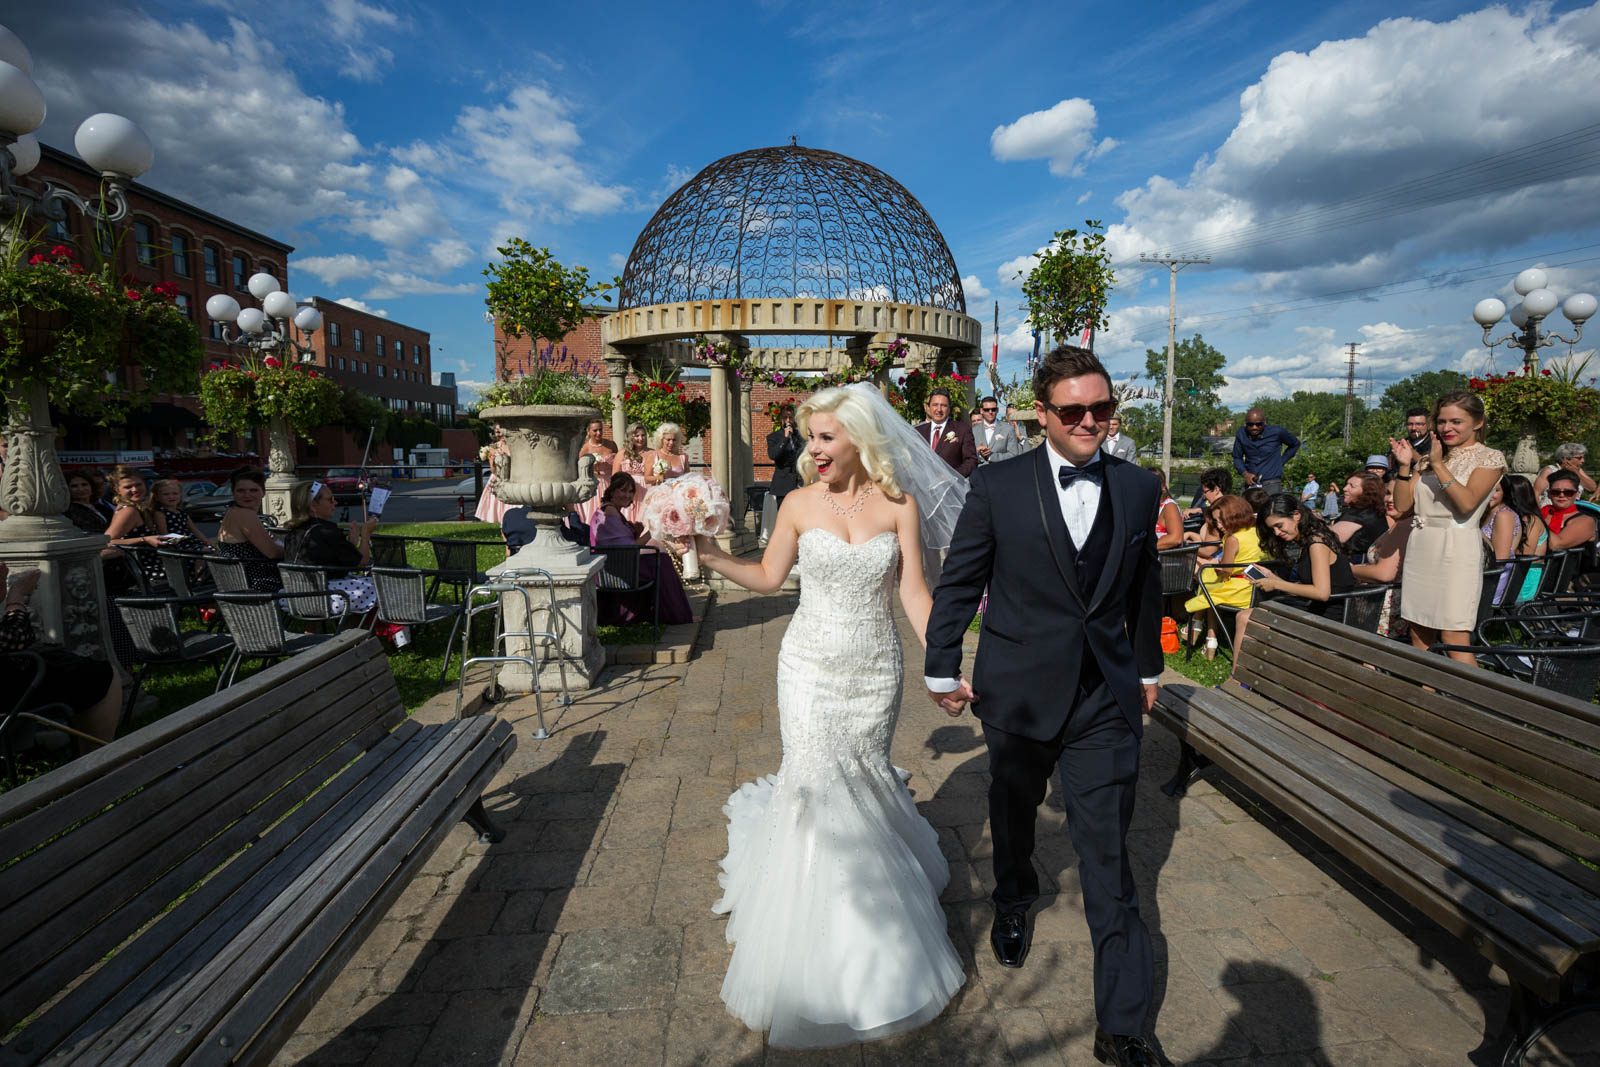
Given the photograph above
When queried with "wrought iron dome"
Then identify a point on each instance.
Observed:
(791, 221)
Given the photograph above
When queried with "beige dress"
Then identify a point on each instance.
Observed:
(1443, 574)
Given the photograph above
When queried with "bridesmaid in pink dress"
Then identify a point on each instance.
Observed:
(604, 451)
(668, 455)
(631, 459)
(490, 507)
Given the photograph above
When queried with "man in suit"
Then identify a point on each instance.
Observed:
(951, 438)
(783, 448)
(1066, 671)
(1119, 445)
(994, 440)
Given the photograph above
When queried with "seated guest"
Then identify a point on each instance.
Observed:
(1320, 569)
(1169, 519)
(314, 539)
(611, 527)
(1569, 457)
(243, 536)
(517, 527)
(1379, 466)
(1570, 526)
(102, 494)
(81, 509)
(90, 687)
(1257, 498)
(1361, 522)
(1233, 522)
(1512, 527)
(168, 496)
(135, 525)
(1215, 482)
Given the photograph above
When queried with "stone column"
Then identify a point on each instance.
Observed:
(744, 459)
(281, 480)
(617, 365)
(69, 605)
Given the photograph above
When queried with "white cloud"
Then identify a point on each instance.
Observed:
(1063, 134)
(393, 283)
(347, 22)
(974, 289)
(1354, 117)
(361, 305)
(333, 269)
(1011, 273)
(616, 261)
(1083, 198)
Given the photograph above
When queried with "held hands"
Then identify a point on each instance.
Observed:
(955, 701)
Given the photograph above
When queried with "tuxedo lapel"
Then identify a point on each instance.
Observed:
(1055, 527)
(1114, 498)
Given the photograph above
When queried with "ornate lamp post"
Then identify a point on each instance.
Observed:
(280, 330)
(1537, 303)
(70, 601)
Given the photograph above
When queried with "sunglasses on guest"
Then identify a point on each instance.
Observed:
(1072, 414)
(1562, 492)
(1257, 423)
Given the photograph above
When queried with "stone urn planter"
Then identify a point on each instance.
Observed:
(1525, 460)
(1028, 419)
(280, 466)
(544, 473)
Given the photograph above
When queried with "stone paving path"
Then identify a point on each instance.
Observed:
(586, 936)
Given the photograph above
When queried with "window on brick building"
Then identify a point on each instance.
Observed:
(182, 300)
(341, 363)
(215, 330)
(212, 261)
(268, 268)
(58, 230)
(356, 340)
(241, 273)
(180, 254)
(382, 371)
(399, 350)
(377, 345)
(416, 353)
(144, 243)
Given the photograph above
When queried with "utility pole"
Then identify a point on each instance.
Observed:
(1350, 392)
(1174, 264)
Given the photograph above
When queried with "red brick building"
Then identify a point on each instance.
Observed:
(514, 357)
(163, 239)
(383, 359)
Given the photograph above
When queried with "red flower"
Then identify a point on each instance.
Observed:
(61, 251)
(271, 361)
(132, 294)
(313, 374)
(37, 258)
(1545, 373)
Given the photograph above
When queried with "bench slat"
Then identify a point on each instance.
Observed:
(1524, 949)
(197, 1005)
(105, 863)
(285, 995)
(1388, 725)
(137, 971)
(1385, 757)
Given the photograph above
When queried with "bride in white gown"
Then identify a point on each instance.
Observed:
(832, 878)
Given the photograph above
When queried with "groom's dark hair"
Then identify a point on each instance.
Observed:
(1067, 361)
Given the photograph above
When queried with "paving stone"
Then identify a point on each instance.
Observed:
(702, 1034)
(705, 947)
(1328, 941)
(595, 907)
(1028, 1038)
(534, 870)
(614, 970)
(615, 867)
(686, 899)
(478, 1027)
(465, 915)
(972, 1040)
(846, 1056)
(617, 1039)
(502, 961)
(1411, 1014)
(520, 912)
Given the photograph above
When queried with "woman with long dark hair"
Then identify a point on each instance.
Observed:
(1447, 492)
(1515, 528)
(1317, 571)
(1361, 521)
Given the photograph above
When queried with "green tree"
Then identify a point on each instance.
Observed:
(1068, 288)
(1197, 409)
(1419, 391)
(531, 293)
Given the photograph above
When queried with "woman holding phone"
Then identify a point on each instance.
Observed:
(1224, 584)
(1318, 571)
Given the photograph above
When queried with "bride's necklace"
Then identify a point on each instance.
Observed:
(861, 498)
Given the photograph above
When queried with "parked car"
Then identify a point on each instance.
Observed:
(194, 491)
(209, 506)
(349, 484)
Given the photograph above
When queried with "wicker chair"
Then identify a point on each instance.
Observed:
(403, 601)
(312, 599)
(388, 550)
(159, 639)
(1361, 608)
(179, 566)
(255, 624)
(228, 574)
(624, 575)
(456, 565)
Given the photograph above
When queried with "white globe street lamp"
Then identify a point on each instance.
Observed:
(1537, 304)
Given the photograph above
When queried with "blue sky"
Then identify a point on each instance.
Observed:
(395, 143)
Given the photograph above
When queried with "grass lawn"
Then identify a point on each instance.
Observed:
(1202, 671)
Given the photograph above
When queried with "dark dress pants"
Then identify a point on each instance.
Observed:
(1097, 756)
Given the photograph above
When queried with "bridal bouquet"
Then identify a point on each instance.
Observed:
(686, 506)
(659, 468)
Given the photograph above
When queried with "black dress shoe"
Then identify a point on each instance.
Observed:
(1009, 938)
(1123, 1051)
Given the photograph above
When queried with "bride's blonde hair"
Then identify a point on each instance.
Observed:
(861, 424)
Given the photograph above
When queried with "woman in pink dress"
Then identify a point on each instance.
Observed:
(604, 452)
(667, 460)
(490, 507)
(631, 459)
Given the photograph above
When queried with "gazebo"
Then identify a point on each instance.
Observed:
(785, 244)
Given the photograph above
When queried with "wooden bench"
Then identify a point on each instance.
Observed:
(1474, 797)
(186, 893)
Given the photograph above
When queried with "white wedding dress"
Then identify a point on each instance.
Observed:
(832, 879)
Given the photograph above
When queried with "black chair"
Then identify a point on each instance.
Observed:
(755, 498)
(1569, 665)
(19, 728)
(228, 574)
(255, 624)
(155, 625)
(623, 575)
(388, 551)
(456, 565)
(313, 601)
(183, 571)
(136, 576)
(1361, 608)
(403, 601)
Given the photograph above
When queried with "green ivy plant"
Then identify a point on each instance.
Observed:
(1069, 286)
(530, 293)
(1544, 404)
(70, 327)
(238, 398)
(652, 402)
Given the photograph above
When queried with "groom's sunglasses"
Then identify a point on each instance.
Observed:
(1072, 414)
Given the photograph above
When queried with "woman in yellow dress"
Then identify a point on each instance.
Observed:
(1235, 522)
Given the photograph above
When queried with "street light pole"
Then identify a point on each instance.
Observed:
(1174, 264)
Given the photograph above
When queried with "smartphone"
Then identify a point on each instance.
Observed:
(1254, 573)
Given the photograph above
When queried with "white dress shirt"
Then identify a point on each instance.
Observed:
(1080, 504)
(935, 434)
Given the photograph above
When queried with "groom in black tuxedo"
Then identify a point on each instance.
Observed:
(1067, 665)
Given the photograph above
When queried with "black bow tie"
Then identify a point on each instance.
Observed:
(1070, 474)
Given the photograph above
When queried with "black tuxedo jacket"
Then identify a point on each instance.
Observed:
(962, 453)
(783, 451)
(1040, 624)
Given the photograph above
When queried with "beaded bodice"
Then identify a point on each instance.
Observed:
(847, 582)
